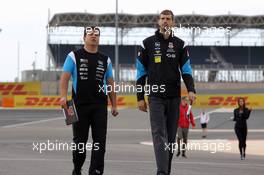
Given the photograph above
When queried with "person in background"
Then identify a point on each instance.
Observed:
(204, 119)
(241, 114)
(186, 118)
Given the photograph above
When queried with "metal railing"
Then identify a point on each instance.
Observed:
(209, 73)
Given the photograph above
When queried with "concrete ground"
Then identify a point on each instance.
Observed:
(129, 151)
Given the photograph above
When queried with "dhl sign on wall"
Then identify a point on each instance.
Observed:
(229, 100)
(36, 101)
(126, 101)
(26, 88)
(129, 101)
(54, 101)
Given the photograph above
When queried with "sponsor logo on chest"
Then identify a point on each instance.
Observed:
(100, 71)
(83, 69)
(170, 48)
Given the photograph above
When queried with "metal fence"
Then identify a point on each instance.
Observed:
(202, 73)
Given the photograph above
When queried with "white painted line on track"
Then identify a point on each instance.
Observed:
(31, 123)
(191, 130)
(140, 161)
(36, 122)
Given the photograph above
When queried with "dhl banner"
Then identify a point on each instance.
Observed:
(37, 101)
(124, 101)
(25, 88)
(256, 101)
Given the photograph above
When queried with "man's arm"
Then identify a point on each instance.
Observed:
(64, 81)
(186, 70)
(110, 82)
(112, 96)
(68, 69)
(141, 78)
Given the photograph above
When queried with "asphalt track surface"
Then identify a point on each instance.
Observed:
(125, 155)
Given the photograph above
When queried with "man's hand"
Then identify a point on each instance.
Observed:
(142, 106)
(192, 97)
(114, 111)
(63, 102)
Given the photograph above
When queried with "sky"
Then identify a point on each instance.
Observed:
(25, 21)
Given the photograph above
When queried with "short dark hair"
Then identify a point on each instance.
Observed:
(167, 12)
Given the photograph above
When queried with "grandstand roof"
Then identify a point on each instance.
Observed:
(150, 20)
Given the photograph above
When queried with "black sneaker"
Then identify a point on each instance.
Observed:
(178, 154)
(184, 156)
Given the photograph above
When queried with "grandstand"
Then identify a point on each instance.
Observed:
(233, 56)
(201, 55)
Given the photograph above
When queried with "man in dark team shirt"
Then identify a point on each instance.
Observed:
(163, 60)
(91, 71)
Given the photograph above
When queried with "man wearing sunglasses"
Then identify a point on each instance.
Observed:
(90, 71)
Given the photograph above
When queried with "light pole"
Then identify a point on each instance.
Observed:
(34, 66)
(18, 60)
(116, 45)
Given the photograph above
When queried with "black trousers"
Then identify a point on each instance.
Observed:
(241, 133)
(94, 116)
(164, 116)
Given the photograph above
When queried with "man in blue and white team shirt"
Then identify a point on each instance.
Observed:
(90, 71)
